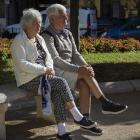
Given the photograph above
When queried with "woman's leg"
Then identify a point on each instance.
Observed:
(32, 85)
(82, 88)
(61, 96)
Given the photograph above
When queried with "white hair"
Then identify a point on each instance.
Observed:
(54, 10)
(28, 16)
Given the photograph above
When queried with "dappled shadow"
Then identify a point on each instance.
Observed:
(108, 72)
(22, 124)
(135, 138)
(22, 131)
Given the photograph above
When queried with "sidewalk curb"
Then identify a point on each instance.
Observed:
(106, 87)
(117, 87)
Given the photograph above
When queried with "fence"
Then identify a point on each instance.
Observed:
(9, 33)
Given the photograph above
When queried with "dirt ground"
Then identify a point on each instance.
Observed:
(23, 125)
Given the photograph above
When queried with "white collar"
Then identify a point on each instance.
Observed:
(24, 35)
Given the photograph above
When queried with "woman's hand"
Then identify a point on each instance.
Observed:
(50, 73)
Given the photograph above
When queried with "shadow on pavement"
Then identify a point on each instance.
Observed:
(23, 125)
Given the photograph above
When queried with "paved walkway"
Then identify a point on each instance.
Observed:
(22, 124)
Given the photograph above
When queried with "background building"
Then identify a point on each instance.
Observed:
(11, 10)
(2, 14)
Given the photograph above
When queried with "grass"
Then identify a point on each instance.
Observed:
(115, 66)
(107, 67)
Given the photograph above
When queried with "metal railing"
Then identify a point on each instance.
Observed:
(9, 33)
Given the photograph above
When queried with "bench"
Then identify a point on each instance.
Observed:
(9, 93)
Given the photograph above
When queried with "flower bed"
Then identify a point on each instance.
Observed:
(87, 45)
(92, 45)
(5, 48)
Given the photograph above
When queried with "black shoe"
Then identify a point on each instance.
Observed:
(64, 137)
(94, 130)
(113, 108)
(86, 122)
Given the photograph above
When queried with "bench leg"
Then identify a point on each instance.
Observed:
(50, 119)
(3, 109)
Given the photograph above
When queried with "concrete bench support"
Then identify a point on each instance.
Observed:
(50, 119)
(9, 93)
(3, 109)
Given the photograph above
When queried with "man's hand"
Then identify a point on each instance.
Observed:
(50, 73)
(85, 70)
(91, 71)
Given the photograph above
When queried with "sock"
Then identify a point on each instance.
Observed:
(61, 129)
(76, 114)
(87, 115)
(104, 101)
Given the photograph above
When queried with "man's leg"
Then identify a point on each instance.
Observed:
(84, 97)
(85, 103)
(108, 107)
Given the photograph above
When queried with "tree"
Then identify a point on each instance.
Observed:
(74, 21)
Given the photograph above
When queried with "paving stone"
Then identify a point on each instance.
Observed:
(116, 87)
(136, 84)
(23, 103)
(29, 103)
(14, 105)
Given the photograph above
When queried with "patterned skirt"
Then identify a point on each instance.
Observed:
(60, 94)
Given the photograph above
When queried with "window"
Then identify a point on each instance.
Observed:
(132, 26)
(2, 9)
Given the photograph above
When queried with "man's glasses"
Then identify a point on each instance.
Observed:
(63, 16)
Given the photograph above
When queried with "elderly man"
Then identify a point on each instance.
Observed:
(69, 64)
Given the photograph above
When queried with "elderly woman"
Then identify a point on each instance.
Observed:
(32, 61)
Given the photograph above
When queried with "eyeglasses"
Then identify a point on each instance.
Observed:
(63, 17)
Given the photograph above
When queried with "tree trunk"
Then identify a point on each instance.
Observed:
(74, 21)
